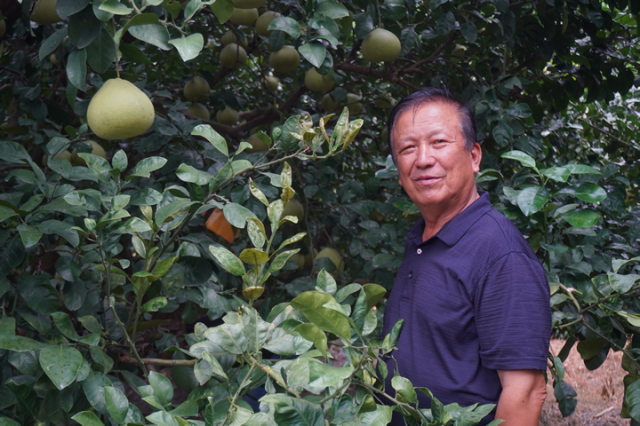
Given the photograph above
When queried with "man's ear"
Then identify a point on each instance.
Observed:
(476, 157)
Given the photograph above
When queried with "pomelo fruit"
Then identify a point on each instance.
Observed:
(263, 23)
(294, 208)
(354, 104)
(228, 116)
(120, 110)
(299, 259)
(381, 45)
(66, 155)
(329, 103)
(257, 144)
(199, 111)
(196, 89)
(243, 16)
(96, 149)
(44, 12)
(233, 56)
(317, 82)
(230, 37)
(285, 60)
(332, 255)
(271, 83)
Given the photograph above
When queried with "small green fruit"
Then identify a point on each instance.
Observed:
(285, 60)
(199, 111)
(354, 104)
(329, 103)
(257, 144)
(44, 12)
(243, 16)
(230, 37)
(271, 83)
(96, 149)
(233, 56)
(294, 208)
(196, 89)
(228, 116)
(263, 23)
(332, 255)
(381, 45)
(317, 82)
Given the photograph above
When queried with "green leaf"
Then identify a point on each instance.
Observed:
(590, 193)
(632, 398)
(5, 421)
(168, 212)
(83, 28)
(254, 256)
(154, 34)
(133, 54)
(66, 8)
(323, 375)
(134, 226)
(314, 52)
(281, 259)
(188, 47)
(332, 9)
(155, 304)
(162, 387)
(222, 9)
(51, 43)
(404, 390)
(581, 218)
(19, 343)
(188, 173)
(581, 169)
(380, 417)
(619, 263)
(212, 136)
(61, 364)
(469, 31)
(559, 174)
(146, 166)
(525, 159)
(141, 19)
(295, 411)
(93, 387)
(532, 199)
(256, 192)
(117, 403)
(77, 68)
(101, 358)
(29, 235)
(228, 260)
(590, 348)
(87, 418)
(314, 334)
(229, 337)
(287, 25)
(101, 53)
(256, 231)
(346, 291)
(237, 214)
(310, 303)
(38, 294)
(115, 7)
(326, 283)
(216, 368)
(91, 324)
(64, 324)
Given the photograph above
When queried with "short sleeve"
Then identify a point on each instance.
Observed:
(513, 314)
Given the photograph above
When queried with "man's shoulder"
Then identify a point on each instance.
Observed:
(495, 229)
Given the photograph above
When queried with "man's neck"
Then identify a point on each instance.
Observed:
(435, 219)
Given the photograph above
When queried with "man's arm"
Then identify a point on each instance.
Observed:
(523, 393)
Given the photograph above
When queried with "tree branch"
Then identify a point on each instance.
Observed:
(159, 361)
(415, 67)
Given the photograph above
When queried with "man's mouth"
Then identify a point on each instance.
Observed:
(427, 180)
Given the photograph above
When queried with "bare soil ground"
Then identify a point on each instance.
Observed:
(600, 392)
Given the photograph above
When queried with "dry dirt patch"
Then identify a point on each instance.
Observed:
(600, 392)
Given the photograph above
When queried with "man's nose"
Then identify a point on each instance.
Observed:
(424, 157)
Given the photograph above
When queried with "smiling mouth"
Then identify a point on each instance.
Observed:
(427, 180)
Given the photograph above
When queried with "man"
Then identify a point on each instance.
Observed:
(473, 295)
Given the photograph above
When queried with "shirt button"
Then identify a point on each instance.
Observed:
(410, 275)
(419, 251)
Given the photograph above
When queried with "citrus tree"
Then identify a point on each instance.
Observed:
(178, 198)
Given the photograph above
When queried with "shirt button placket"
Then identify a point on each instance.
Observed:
(419, 251)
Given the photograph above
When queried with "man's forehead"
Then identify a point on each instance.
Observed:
(431, 117)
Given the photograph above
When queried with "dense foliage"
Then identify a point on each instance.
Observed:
(112, 271)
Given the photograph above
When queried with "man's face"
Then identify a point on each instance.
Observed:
(435, 169)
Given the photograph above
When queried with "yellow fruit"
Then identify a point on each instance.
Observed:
(332, 255)
(243, 16)
(270, 83)
(381, 45)
(263, 23)
(354, 104)
(3, 27)
(196, 89)
(44, 12)
(54, 60)
(199, 111)
(96, 149)
(64, 155)
(257, 144)
(329, 103)
(233, 56)
(248, 4)
(228, 116)
(286, 59)
(119, 110)
(230, 37)
(294, 208)
(299, 259)
(317, 82)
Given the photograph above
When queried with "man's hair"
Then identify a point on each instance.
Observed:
(430, 95)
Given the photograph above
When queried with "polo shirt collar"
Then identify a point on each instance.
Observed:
(453, 230)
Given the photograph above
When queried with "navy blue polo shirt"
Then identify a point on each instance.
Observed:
(474, 299)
